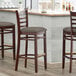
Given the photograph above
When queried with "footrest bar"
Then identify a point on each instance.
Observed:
(70, 58)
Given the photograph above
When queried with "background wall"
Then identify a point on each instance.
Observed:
(16, 3)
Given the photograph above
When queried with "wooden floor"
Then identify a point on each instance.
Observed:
(8, 64)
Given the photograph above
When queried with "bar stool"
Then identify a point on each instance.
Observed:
(7, 28)
(69, 33)
(29, 33)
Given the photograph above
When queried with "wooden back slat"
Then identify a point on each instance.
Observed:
(22, 18)
(22, 21)
(73, 21)
(73, 18)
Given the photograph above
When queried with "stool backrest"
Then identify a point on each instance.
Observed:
(22, 19)
(73, 20)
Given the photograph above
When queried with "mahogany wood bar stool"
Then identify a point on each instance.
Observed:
(30, 33)
(7, 28)
(69, 33)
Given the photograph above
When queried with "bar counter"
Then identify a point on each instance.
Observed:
(8, 10)
(54, 22)
(34, 12)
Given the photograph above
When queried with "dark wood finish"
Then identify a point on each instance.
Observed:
(36, 54)
(7, 28)
(2, 43)
(26, 49)
(63, 51)
(45, 56)
(69, 33)
(34, 37)
(13, 40)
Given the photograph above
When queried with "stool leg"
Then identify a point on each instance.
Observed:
(2, 42)
(14, 42)
(26, 49)
(63, 55)
(45, 57)
(70, 70)
(18, 51)
(36, 59)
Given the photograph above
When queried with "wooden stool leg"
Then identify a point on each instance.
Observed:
(36, 59)
(18, 51)
(26, 49)
(70, 70)
(14, 43)
(45, 57)
(63, 55)
(2, 42)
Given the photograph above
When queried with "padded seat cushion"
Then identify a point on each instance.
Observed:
(33, 30)
(4, 24)
(68, 30)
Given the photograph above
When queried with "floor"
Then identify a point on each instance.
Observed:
(7, 66)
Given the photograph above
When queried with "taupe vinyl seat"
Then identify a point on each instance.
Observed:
(34, 30)
(67, 30)
(6, 24)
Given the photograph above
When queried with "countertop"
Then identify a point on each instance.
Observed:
(36, 12)
(8, 10)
